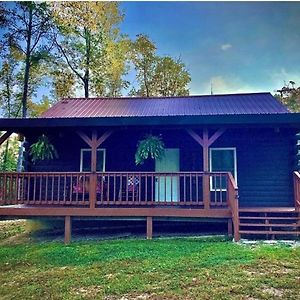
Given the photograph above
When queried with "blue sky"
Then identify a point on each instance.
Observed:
(238, 46)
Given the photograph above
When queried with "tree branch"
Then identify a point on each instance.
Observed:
(68, 61)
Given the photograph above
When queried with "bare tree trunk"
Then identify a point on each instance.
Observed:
(87, 62)
(86, 86)
(146, 83)
(27, 66)
(25, 87)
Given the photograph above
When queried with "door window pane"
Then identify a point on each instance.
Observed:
(86, 160)
(222, 160)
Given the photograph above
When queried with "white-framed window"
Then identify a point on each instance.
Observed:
(222, 160)
(85, 160)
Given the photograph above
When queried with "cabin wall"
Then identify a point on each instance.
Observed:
(264, 158)
(264, 165)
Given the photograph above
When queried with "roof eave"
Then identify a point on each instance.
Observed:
(288, 119)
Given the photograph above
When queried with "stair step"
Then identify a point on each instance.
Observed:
(268, 232)
(268, 209)
(269, 225)
(269, 218)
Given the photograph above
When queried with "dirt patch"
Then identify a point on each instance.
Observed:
(89, 292)
(273, 291)
(130, 297)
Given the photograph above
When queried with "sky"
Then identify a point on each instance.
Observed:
(234, 46)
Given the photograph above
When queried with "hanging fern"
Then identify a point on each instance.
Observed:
(150, 147)
(42, 149)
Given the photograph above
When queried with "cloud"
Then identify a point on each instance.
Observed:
(225, 47)
(225, 85)
(281, 77)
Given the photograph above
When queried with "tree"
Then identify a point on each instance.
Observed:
(28, 25)
(116, 66)
(87, 32)
(10, 93)
(35, 109)
(170, 77)
(289, 95)
(63, 81)
(157, 76)
(9, 154)
(144, 60)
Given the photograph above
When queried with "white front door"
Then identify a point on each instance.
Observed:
(167, 187)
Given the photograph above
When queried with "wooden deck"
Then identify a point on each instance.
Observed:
(119, 194)
(146, 195)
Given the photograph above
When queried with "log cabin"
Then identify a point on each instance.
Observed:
(231, 157)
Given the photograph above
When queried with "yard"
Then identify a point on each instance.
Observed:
(166, 268)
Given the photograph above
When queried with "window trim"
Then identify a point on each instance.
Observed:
(210, 164)
(89, 149)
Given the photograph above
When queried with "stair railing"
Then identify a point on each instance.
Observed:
(234, 205)
(297, 189)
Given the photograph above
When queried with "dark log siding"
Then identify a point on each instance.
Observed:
(264, 158)
(264, 165)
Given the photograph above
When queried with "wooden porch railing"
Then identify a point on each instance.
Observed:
(297, 189)
(53, 188)
(118, 188)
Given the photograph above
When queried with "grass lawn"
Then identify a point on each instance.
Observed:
(179, 268)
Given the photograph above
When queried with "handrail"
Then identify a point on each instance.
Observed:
(234, 205)
(297, 189)
(117, 188)
(115, 172)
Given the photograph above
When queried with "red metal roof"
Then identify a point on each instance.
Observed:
(233, 104)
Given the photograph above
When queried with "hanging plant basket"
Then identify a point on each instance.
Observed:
(151, 146)
(42, 149)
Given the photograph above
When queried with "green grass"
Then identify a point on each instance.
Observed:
(179, 268)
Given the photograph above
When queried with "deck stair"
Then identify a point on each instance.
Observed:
(276, 222)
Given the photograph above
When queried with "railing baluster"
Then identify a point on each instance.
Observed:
(184, 188)
(146, 189)
(172, 189)
(139, 187)
(4, 190)
(221, 190)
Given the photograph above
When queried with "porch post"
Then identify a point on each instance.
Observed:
(94, 143)
(149, 228)
(68, 230)
(93, 176)
(229, 227)
(205, 142)
(206, 187)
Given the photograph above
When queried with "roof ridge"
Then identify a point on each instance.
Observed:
(161, 97)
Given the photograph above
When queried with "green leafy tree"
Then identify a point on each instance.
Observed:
(9, 154)
(157, 76)
(144, 60)
(27, 27)
(86, 38)
(170, 77)
(10, 93)
(289, 95)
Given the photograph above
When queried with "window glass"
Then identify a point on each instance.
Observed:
(222, 160)
(86, 160)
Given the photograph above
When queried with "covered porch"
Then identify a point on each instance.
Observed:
(95, 175)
